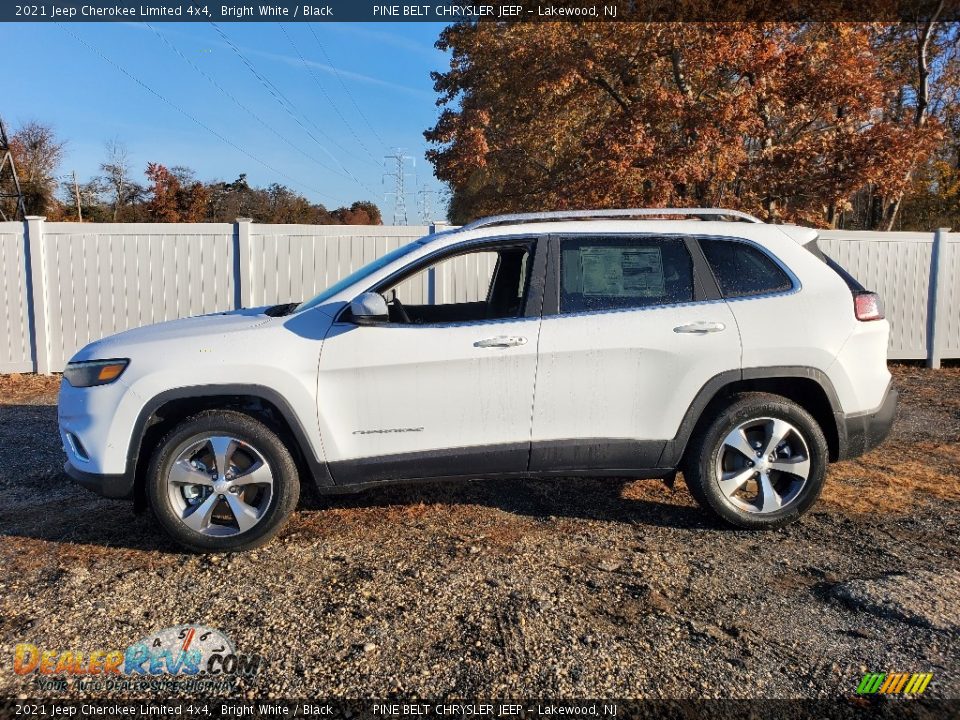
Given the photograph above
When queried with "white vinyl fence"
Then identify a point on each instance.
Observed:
(65, 284)
(918, 278)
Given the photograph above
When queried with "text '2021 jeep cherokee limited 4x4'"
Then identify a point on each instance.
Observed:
(624, 343)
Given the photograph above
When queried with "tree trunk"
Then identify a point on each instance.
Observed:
(923, 100)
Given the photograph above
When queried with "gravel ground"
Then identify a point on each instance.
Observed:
(569, 587)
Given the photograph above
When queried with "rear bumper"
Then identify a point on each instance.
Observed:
(864, 431)
(119, 487)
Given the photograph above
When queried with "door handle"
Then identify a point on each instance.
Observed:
(501, 341)
(701, 327)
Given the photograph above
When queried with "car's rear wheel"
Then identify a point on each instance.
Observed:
(221, 481)
(760, 463)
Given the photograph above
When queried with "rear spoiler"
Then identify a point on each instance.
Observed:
(866, 304)
(807, 237)
(800, 235)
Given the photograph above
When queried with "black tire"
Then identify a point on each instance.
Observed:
(701, 473)
(277, 508)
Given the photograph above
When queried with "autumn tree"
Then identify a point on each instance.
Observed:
(927, 55)
(174, 195)
(932, 199)
(116, 175)
(64, 208)
(361, 212)
(787, 121)
(37, 153)
(279, 204)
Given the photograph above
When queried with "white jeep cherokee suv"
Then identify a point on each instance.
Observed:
(623, 343)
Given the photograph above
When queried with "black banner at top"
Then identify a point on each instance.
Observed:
(488, 11)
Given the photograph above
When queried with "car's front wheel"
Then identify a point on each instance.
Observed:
(760, 463)
(222, 481)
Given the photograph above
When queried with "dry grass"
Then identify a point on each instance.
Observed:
(28, 389)
(917, 384)
(921, 459)
(896, 477)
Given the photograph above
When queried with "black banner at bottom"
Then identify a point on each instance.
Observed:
(409, 709)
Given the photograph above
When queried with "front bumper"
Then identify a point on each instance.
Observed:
(95, 434)
(864, 431)
(119, 487)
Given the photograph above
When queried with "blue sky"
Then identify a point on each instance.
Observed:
(329, 146)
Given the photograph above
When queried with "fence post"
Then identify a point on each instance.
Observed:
(243, 273)
(937, 302)
(432, 275)
(37, 294)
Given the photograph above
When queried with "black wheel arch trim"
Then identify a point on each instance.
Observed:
(317, 467)
(674, 449)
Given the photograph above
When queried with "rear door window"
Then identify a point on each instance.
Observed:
(609, 273)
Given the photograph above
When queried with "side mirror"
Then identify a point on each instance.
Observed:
(369, 308)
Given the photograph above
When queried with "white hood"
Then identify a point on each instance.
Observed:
(207, 329)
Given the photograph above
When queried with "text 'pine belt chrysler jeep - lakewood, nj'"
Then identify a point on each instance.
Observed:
(619, 343)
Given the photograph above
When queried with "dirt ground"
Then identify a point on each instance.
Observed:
(570, 587)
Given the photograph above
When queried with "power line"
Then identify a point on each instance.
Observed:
(289, 107)
(326, 95)
(346, 89)
(241, 105)
(399, 179)
(183, 112)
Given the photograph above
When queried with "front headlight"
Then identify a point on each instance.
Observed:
(94, 372)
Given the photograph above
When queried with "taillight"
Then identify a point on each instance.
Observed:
(866, 306)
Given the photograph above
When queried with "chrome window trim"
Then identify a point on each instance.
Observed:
(461, 323)
(796, 285)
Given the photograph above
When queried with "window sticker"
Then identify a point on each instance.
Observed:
(622, 272)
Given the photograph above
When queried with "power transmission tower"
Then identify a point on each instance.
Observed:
(425, 197)
(6, 160)
(398, 159)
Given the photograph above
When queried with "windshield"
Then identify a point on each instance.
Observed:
(358, 275)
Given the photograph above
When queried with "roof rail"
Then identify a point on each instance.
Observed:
(701, 213)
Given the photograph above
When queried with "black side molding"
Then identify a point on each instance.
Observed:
(449, 462)
(596, 457)
(598, 454)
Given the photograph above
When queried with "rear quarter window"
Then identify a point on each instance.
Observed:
(742, 270)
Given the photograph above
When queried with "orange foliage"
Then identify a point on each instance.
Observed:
(783, 120)
(170, 201)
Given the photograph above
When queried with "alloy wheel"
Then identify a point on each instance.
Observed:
(220, 485)
(763, 465)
